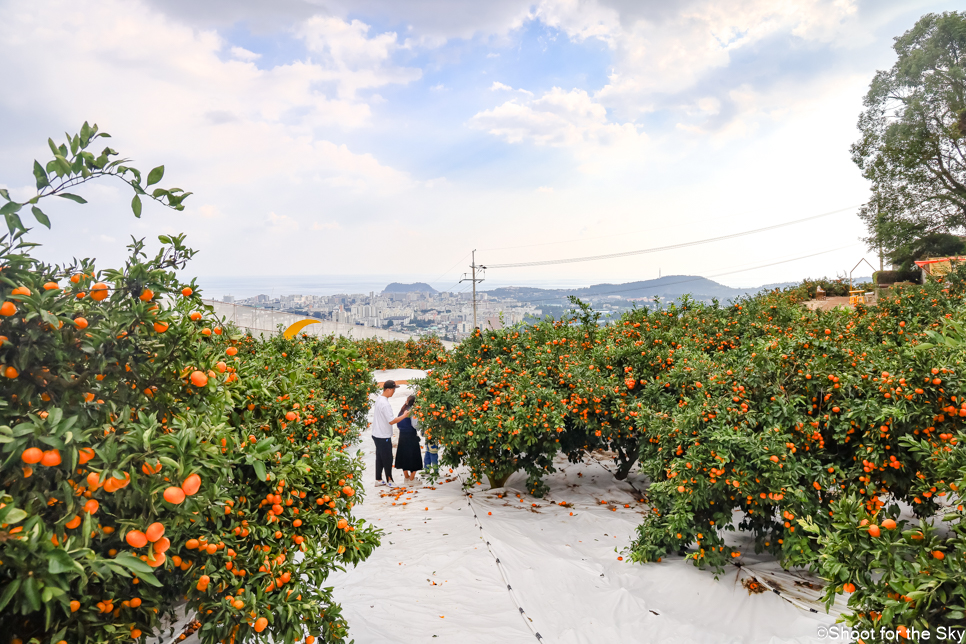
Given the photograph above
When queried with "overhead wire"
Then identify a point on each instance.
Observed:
(589, 258)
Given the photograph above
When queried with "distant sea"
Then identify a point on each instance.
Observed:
(243, 287)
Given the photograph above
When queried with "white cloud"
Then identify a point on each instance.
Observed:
(498, 86)
(350, 57)
(669, 50)
(437, 88)
(326, 225)
(545, 189)
(243, 54)
(281, 223)
(557, 118)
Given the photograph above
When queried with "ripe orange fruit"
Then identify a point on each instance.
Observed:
(135, 602)
(874, 530)
(342, 524)
(160, 327)
(51, 458)
(73, 523)
(221, 366)
(161, 545)
(231, 351)
(75, 278)
(174, 495)
(154, 532)
(217, 330)
(85, 454)
(195, 316)
(290, 416)
(186, 291)
(889, 524)
(348, 491)
(199, 379)
(74, 606)
(136, 633)
(93, 481)
(191, 485)
(938, 554)
(260, 624)
(91, 506)
(11, 372)
(136, 539)
(99, 292)
(32, 455)
(20, 290)
(50, 286)
(8, 308)
(146, 295)
(848, 587)
(206, 332)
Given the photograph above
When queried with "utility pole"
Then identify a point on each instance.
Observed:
(473, 279)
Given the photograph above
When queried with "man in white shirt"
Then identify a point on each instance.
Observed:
(383, 419)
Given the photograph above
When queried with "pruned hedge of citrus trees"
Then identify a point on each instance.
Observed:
(808, 430)
(152, 460)
(418, 353)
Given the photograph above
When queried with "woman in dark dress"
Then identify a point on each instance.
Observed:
(409, 459)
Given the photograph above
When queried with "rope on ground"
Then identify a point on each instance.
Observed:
(740, 567)
(499, 564)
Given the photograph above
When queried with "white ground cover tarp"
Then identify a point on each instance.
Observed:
(436, 577)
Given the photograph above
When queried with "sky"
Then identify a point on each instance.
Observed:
(391, 138)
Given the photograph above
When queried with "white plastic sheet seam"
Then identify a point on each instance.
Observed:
(761, 581)
(499, 564)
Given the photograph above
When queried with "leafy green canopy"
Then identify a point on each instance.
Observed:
(912, 144)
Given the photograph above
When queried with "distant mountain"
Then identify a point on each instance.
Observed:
(669, 287)
(418, 287)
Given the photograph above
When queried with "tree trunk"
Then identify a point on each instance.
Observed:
(625, 464)
(498, 480)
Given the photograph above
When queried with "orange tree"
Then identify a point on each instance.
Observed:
(424, 352)
(418, 353)
(134, 472)
(787, 414)
(494, 405)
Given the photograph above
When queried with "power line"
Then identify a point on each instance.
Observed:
(446, 272)
(700, 277)
(630, 253)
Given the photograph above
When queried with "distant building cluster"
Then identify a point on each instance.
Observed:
(448, 315)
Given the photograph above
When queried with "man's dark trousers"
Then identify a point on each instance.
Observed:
(383, 458)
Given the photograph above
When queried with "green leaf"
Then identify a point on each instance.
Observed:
(260, 470)
(9, 592)
(32, 594)
(4, 194)
(60, 562)
(133, 563)
(13, 222)
(13, 515)
(62, 163)
(10, 208)
(41, 176)
(40, 216)
(77, 198)
(155, 175)
(136, 205)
